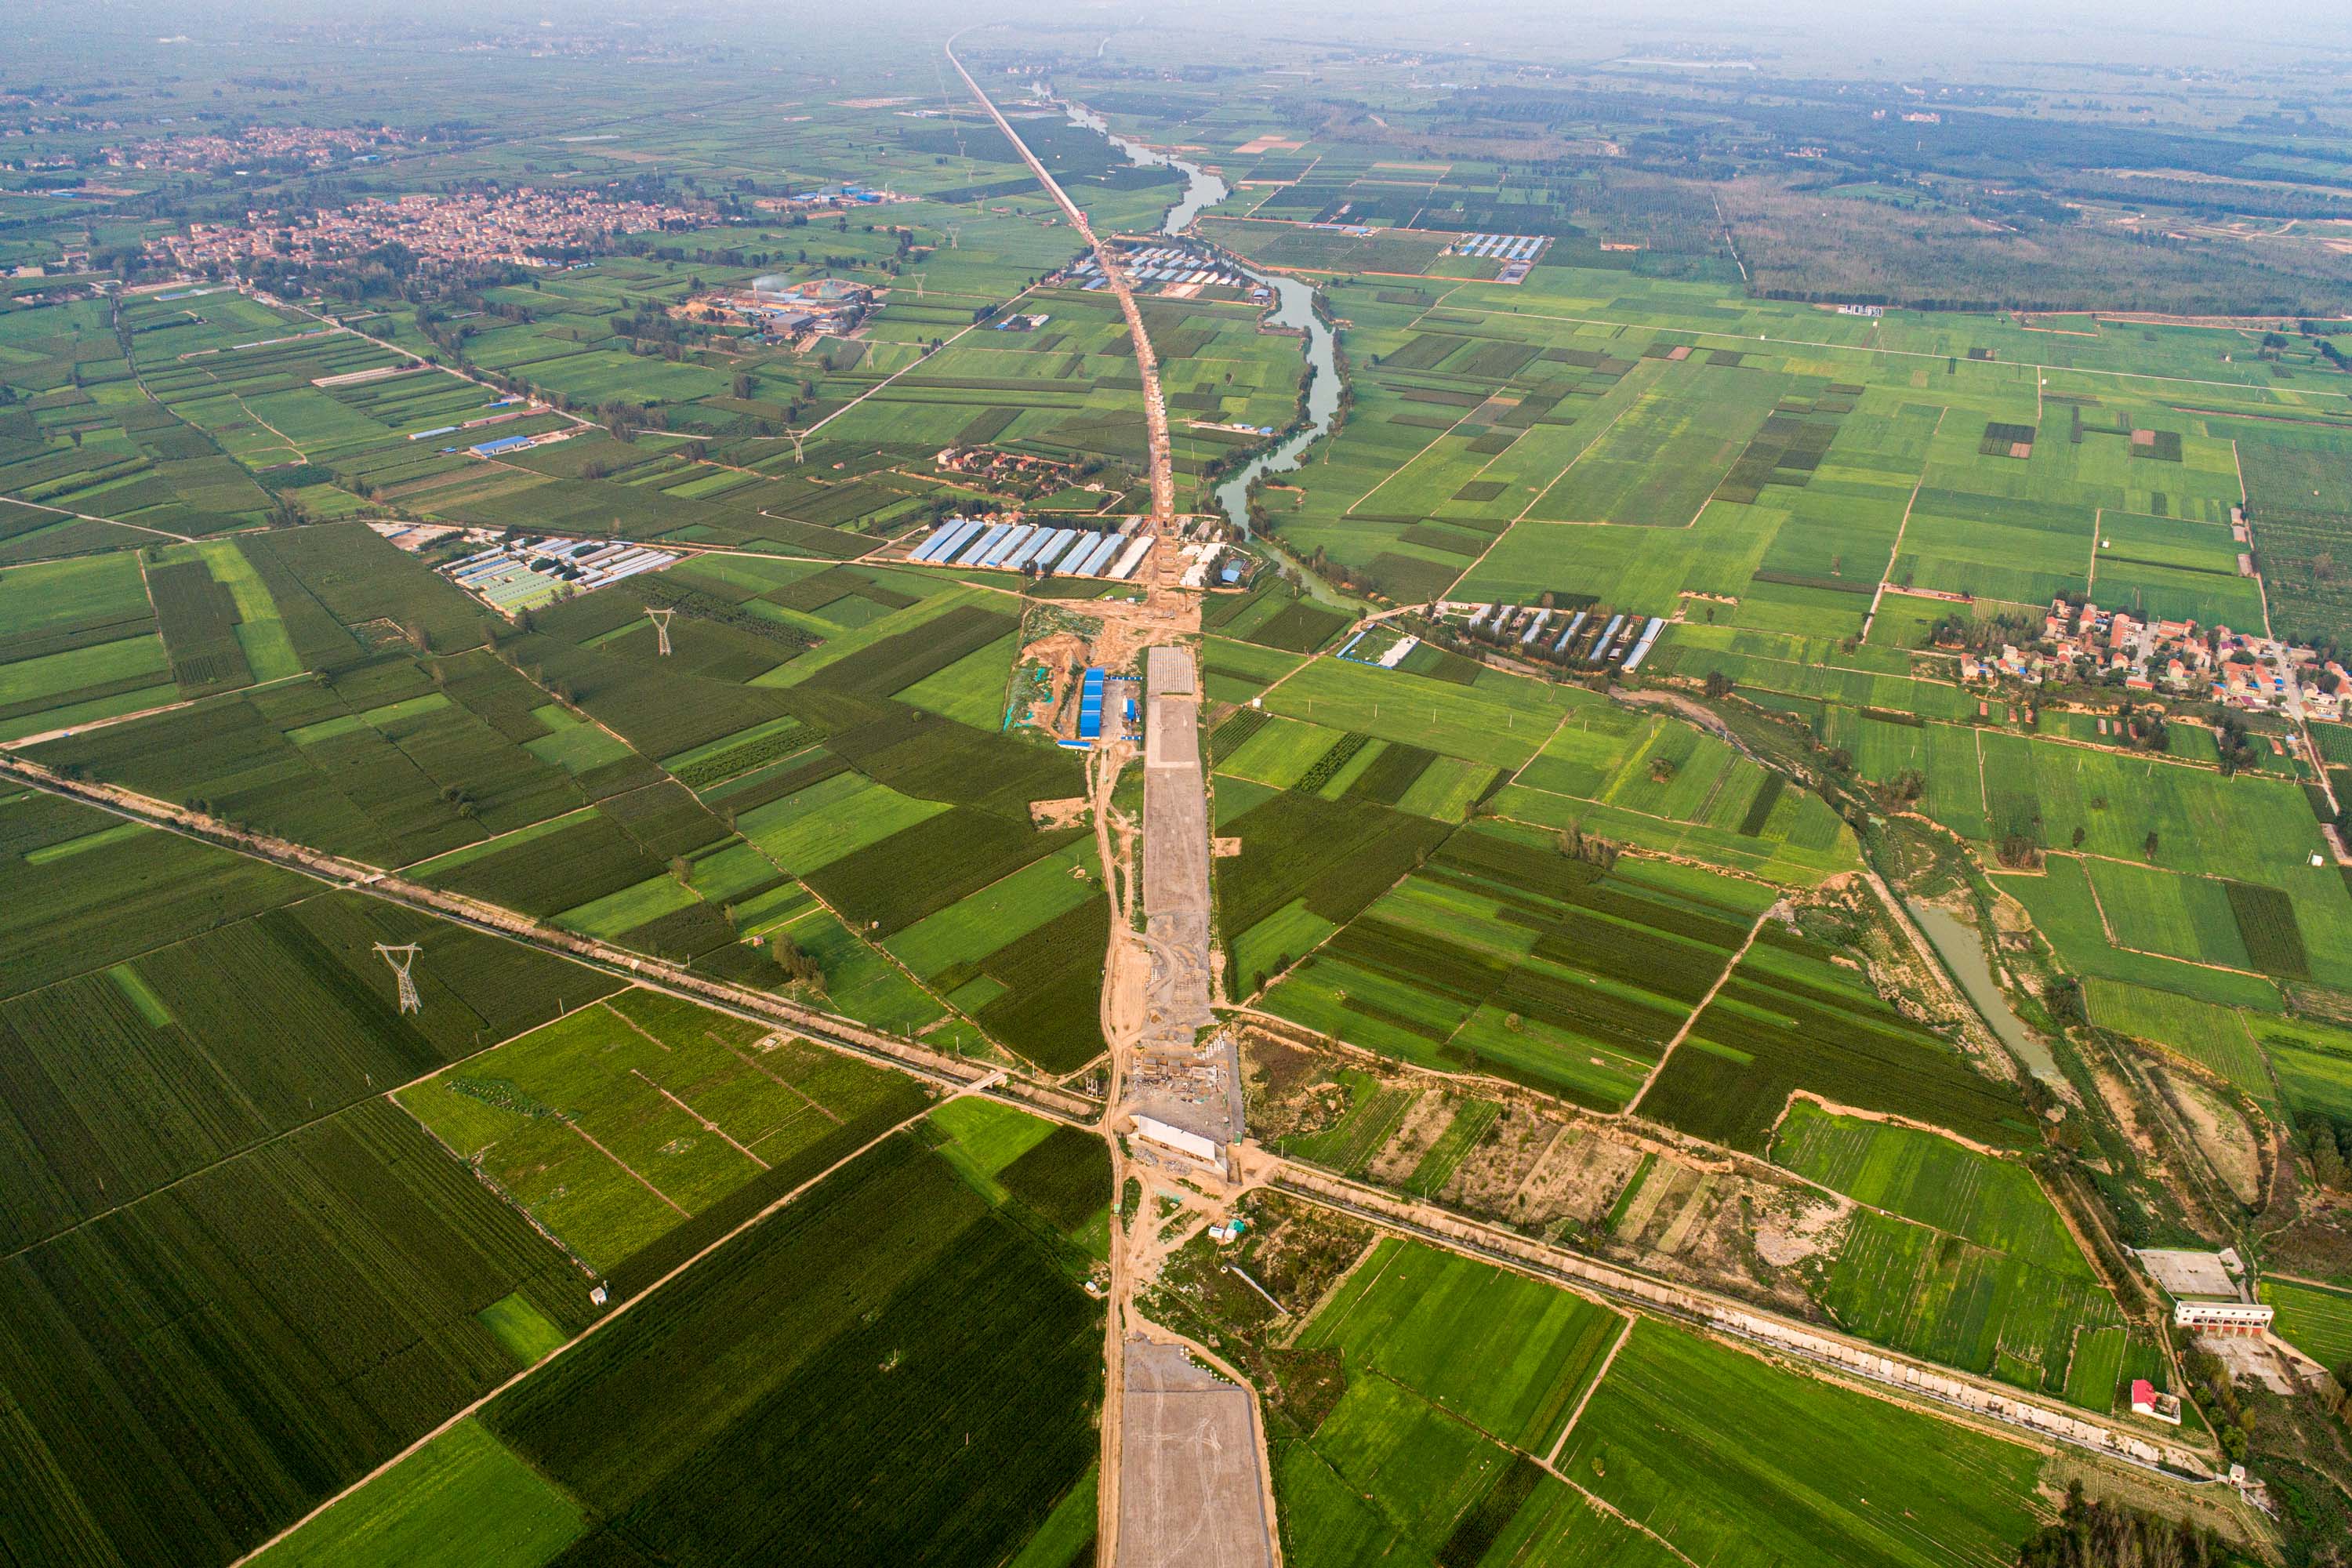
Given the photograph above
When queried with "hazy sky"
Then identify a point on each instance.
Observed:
(1836, 36)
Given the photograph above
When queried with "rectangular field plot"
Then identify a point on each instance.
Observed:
(2064, 908)
(1994, 547)
(2213, 1036)
(2315, 1319)
(2313, 1060)
(1789, 1019)
(1502, 956)
(1054, 1180)
(1500, 720)
(1958, 1257)
(1410, 1463)
(461, 1494)
(2170, 568)
(1992, 1202)
(645, 1118)
(1508, 1354)
(277, 1324)
(1024, 955)
(1658, 464)
(384, 766)
(929, 1368)
(1727, 1457)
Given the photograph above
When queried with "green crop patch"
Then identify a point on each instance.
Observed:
(1337, 856)
(1789, 1019)
(2315, 1319)
(440, 1508)
(1727, 1448)
(1410, 1458)
(213, 1044)
(923, 867)
(2213, 1035)
(527, 1334)
(625, 1122)
(343, 1268)
(1993, 1202)
(2003, 1291)
(558, 865)
(929, 1368)
(1512, 960)
(2266, 924)
(1508, 1354)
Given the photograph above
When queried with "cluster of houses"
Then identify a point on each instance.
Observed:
(2175, 658)
(525, 226)
(1019, 472)
(309, 144)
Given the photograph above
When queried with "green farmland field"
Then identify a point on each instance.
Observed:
(1731, 1078)
(1444, 1360)
(1721, 1453)
(1508, 1354)
(2315, 1319)
(644, 1123)
(463, 1500)
(1957, 1255)
(891, 1289)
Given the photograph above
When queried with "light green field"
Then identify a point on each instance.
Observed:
(52, 593)
(56, 675)
(978, 924)
(1728, 1457)
(2014, 1302)
(972, 691)
(2313, 1060)
(1506, 1353)
(809, 830)
(1280, 752)
(2314, 1319)
(2210, 1035)
(1068, 1532)
(463, 1500)
(984, 1137)
(527, 1332)
(617, 913)
(1501, 721)
(141, 995)
(621, 1121)
(260, 631)
(50, 854)
(1990, 1201)
(571, 743)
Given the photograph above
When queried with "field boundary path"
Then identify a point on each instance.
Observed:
(1890, 1374)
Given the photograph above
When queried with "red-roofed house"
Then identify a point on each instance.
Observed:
(2147, 1401)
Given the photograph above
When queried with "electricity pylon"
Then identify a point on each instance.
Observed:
(400, 958)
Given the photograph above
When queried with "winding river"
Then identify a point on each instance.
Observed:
(1293, 309)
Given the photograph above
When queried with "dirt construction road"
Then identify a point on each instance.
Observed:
(1189, 1494)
